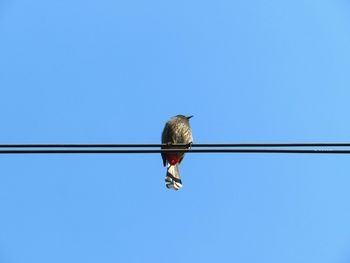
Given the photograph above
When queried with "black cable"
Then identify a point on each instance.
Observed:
(74, 145)
(69, 151)
(200, 145)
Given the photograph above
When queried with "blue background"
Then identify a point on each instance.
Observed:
(115, 71)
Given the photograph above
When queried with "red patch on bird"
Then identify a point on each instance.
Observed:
(173, 158)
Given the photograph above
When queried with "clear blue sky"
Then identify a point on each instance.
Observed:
(114, 71)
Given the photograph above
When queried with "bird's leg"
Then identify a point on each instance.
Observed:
(189, 145)
(169, 145)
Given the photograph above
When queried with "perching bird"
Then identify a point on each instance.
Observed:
(176, 131)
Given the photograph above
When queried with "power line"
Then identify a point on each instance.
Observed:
(127, 151)
(322, 148)
(199, 145)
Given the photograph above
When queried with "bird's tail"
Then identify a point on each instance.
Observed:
(172, 178)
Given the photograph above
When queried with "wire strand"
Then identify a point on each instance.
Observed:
(199, 145)
(125, 151)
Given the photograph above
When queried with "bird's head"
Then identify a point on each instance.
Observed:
(185, 117)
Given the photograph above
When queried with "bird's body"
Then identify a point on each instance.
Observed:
(176, 131)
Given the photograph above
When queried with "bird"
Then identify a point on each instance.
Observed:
(176, 131)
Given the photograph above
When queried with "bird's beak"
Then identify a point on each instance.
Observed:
(189, 117)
